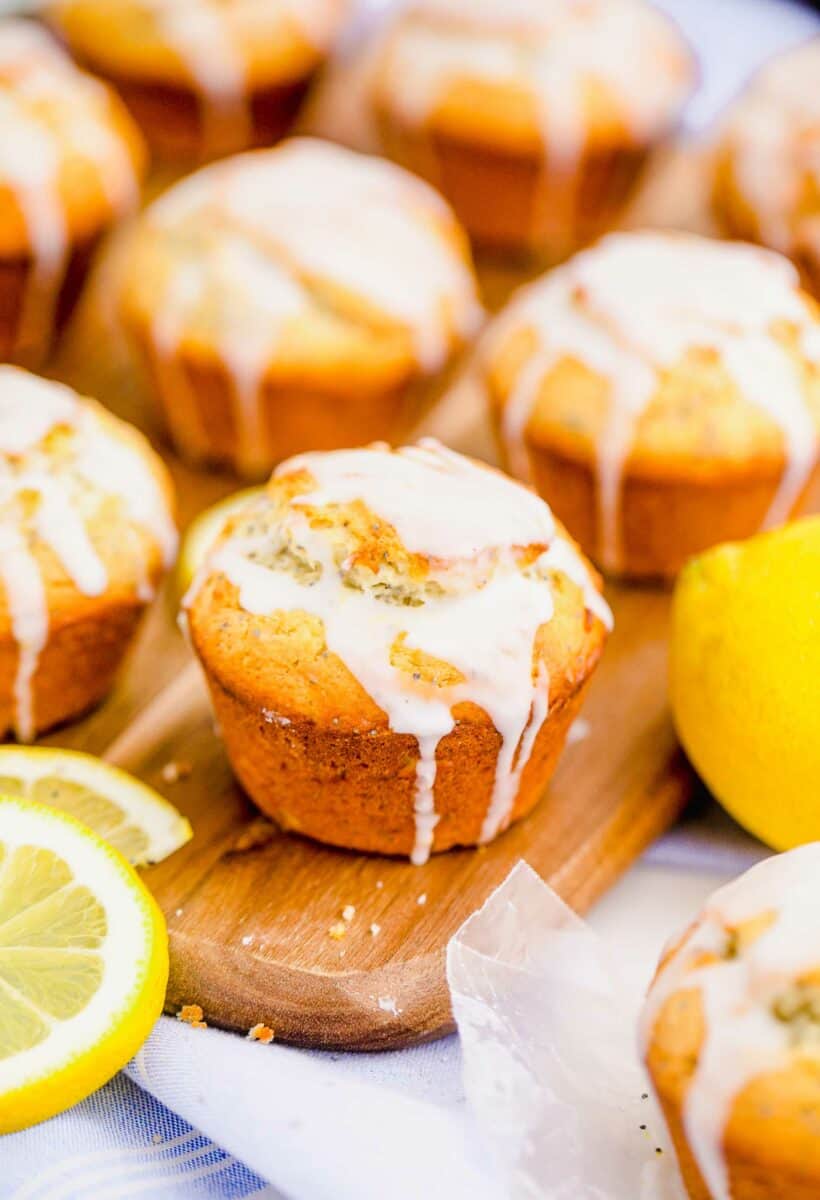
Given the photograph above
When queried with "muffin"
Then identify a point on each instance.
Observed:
(396, 643)
(731, 1037)
(204, 77)
(85, 534)
(70, 162)
(534, 118)
(662, 391)
(295, 299)
(767, 163)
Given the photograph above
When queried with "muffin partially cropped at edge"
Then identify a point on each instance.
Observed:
(662, 391)
(396, 644)
(731, 1036)
(534, 118)
(767, 164)
(203, 77)
(86, 533)
(296, 299)
(70, 165)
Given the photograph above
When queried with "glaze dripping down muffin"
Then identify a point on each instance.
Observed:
(396, 643)
(534, 117)
(85, 535)
(662, 391)
(731, 1036)
(203, 77)
(299, 298)
(70, 162)
(767, 168)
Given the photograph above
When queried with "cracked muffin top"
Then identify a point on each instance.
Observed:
(301, 262)
(374, 587)
(733, 1015)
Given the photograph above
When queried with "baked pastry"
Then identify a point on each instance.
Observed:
(731, 1036)
(396, 643)
(767, 163)
(533, 117)
(70, 162)
(662, 391)
(85, 533)
(203, 77)
(295, 299)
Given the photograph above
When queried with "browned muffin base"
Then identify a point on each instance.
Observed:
(15, 279)
(176, 124)
(515, 203)
(357, 790)
(663, 522)
(76, 668)
(199, 409)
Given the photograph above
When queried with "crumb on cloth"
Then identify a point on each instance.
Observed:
(192, 1015)
(261, 1033)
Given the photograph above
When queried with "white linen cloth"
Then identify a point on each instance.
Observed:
(203, 1113)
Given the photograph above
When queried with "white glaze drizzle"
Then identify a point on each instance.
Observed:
(207, 35)
(49, 113)
(744, 1038)
(278, 220)
(773, 134)
(30, 408)
(484, 624)
(555, 48)
(632, 307)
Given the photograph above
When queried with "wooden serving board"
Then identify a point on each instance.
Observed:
(249, 908)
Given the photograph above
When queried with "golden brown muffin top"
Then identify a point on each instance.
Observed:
(666, 355)
(85, 504)
(215, 47)
(375, 587)
(750, 963)
(304, 263)
(70, 156)
(771, 147)
(535, 74)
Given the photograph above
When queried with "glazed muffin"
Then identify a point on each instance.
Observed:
(85, 534)
(70, 162)
(731, 1037)
(204, 77)
(396, 643)
(767, 165)
(662, 391)
(534, 118)
(292, 299)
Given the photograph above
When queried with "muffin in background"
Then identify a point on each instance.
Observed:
(300, 298)
(70, 166)
(396, 644)
(534, 118)
(662, 392)
(203, 77)
(731, 1036)
(766, 184)
(86, 533)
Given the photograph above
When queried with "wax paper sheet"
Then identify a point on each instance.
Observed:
(551, 1067)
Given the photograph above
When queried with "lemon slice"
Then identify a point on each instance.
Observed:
(203, 532)
(132, 817)
(83, 962)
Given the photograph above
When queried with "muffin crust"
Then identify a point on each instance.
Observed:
(300, 298)
(86, 532)
(663, 393)
(386, 679)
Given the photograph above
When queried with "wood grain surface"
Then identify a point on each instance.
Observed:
(249, 909)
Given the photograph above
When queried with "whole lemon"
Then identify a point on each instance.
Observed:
(745, 679)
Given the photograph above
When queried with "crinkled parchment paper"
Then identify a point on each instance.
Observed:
(551, 1067)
